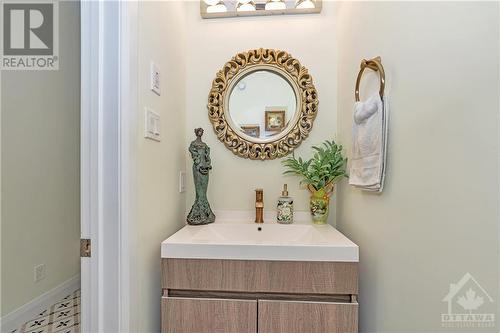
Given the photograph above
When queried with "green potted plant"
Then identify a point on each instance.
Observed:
(319, 174)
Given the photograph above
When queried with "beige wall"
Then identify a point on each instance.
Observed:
(160, 207)
(438, 216)
(210, 43)
(40, 171)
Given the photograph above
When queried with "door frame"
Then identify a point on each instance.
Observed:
(108, 133)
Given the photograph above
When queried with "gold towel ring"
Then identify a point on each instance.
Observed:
(376, 65)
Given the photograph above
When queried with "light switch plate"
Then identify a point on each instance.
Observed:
(155, 79)
(151, 125)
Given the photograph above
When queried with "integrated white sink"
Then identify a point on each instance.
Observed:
(246, 240)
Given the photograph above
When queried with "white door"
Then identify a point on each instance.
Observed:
(108, 122)
(89, 167)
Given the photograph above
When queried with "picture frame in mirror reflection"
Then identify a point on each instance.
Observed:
(251, 130)
(275, 119)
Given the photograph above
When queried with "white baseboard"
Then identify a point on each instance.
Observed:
(29, 310)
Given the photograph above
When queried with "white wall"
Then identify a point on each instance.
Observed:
(40, 171)
(160, 207)
(438, 216)
(211, 43)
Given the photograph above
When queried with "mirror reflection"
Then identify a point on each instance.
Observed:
(262, 104)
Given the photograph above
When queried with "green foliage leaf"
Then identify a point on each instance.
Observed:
(328, 165)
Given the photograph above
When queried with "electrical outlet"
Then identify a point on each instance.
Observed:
(182, 181)
(39, 273)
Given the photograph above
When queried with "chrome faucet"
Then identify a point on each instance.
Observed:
(259, 205)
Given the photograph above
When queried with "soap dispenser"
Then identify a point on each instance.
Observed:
(285, 207)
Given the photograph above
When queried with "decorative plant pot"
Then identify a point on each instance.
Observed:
(320, 203)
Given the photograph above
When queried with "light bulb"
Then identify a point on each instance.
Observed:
(304, 4)
(211, 2)
(242, 85)
(218, 8)
(247, 6)
(275, 5)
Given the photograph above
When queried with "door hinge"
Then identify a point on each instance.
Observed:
(85, 248)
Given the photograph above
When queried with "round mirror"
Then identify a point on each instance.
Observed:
(262, 105)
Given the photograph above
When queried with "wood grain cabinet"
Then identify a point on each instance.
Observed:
(300, 317)
(240, 296)
(208, 315)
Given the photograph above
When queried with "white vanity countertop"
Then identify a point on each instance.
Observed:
(235, 236)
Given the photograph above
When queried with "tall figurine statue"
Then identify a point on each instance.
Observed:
(200, 213)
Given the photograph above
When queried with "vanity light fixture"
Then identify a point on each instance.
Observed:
(241, 8)
(304, 4)
(245, 6)
(275, 5)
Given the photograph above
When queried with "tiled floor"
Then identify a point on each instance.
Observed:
(62, 317)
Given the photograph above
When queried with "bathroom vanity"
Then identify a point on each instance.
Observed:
(237, 276)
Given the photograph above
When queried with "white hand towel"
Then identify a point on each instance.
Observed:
(369, 140)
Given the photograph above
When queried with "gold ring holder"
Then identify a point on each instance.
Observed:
(374, 64)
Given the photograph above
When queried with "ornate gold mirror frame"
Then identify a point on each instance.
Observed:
(289, 68)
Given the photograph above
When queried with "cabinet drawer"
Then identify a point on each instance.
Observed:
(307, 317)
(202, 315)
(261, 276)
